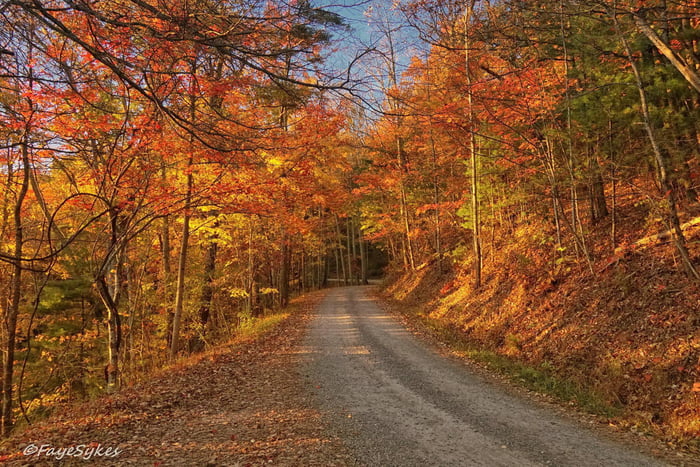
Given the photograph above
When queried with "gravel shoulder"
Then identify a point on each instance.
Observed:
(396, 401)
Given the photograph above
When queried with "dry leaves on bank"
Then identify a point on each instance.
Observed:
(240, 405)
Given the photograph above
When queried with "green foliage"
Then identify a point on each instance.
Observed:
(459, 253)
(466, 214)
(542, 380)
(60, 295)
(251, 326)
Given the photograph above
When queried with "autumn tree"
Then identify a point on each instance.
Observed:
(122, 120)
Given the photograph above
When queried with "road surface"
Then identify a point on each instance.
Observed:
(394, 401)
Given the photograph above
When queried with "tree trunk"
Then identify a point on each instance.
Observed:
(670, 208)
(476, 231)
(15, 293)
(353, 245)
(599, 208)
(251, 272)
(613, 180)
(284, 272)
(686, 69)
(348, 245)
(44, 208)
(549, 164)
(340, 250)
(303, 271)
(182, 265)
(406, 223)
(436, 187)
(363, 257)
(575, 223)
(207, 288)
(184, 246)
(393, 255)
(166, 251)
(337, 265)
(114, 332)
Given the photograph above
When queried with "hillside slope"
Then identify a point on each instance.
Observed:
(623, 342)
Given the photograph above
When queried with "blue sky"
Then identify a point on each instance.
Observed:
(362, 17)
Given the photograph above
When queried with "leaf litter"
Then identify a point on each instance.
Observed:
(237, 405)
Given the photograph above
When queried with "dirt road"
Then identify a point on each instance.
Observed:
(396, 402)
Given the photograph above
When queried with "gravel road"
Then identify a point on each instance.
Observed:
(394, 401)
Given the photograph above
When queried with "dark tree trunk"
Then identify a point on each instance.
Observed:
(207, 288)
(284, 272)
(114, 332)
(15, 295)
(599, 208)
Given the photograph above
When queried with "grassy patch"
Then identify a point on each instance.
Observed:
(255, 327)
(543, 381)
(539, 379)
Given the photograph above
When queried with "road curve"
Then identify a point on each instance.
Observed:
(396, 402)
